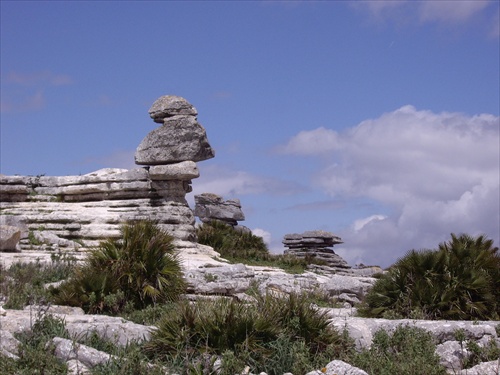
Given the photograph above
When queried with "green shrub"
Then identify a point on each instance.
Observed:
(408, 350)
(460, 280)
(274, 335)
(231, 243)
(139, 269)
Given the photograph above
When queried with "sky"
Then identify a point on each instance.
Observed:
(377, 121)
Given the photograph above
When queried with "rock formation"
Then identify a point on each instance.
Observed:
(210, 206)
(180, 138)
(79, 211)
(316, 245)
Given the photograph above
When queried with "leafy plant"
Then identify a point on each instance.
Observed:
(460, 280)
(273, 335)
(408, 350)
(139, 269)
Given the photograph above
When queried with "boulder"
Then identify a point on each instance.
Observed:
(210, 206)
(180, 138)
(9, 237)
(170, 105)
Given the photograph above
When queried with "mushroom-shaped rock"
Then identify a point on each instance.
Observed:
(180, 138)
(170, 105)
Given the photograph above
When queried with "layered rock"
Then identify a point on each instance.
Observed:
(81, 210)
(316, 245)
(180, 137)
(210, 207)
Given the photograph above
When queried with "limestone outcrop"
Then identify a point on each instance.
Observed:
(209, 206)
(180, 137)
(74, 212)
(316, 245)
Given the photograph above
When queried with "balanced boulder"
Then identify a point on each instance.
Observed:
(180, 138)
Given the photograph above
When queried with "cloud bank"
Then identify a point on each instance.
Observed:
(435, 174)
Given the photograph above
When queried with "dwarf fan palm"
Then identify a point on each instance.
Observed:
(460, 280)
(141, 268)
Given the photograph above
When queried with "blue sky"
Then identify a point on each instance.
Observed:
(377, 121)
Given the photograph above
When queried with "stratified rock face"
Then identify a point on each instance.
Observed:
(75, 211)
(170, 105)
(180, 138)
(316, 244)
(210, 206)
(92, 207)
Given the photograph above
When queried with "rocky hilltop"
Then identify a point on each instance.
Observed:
(78, 211)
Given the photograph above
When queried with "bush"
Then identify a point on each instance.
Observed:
(231, 243)
(275, 335)
(408, 350)
(140, 269)
(460, 280)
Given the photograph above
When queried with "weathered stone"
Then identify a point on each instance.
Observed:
(316, 245)
(170, 105)
(9, 344)
(66, 350)
(9, 237)
(183, 171)
(209, 206)
(180, 138)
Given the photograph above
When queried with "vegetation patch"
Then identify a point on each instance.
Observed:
(408, 350)
(242, 247)
(458, 281)
(274, 335)
(137, 270)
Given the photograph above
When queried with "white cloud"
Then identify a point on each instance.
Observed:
(427, 11)
(450, 11)
(435, 173)
(311, 142)
(361, 223)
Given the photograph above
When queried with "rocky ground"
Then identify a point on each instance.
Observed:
(234, 280)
